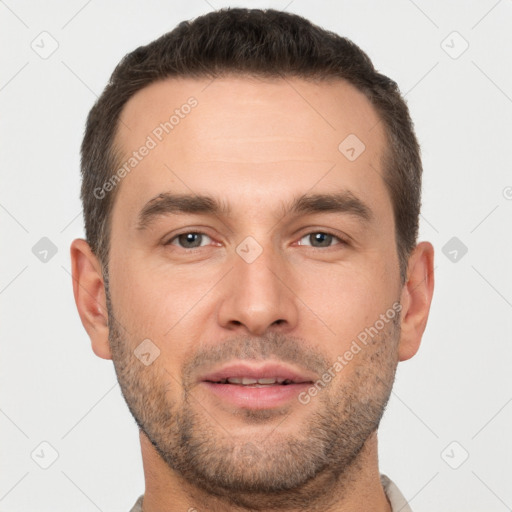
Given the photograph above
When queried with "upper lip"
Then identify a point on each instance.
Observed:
(254, 371)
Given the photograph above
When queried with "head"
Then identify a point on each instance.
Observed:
(251, 194)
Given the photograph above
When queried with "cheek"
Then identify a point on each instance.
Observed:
(346, 299)
(163, 304)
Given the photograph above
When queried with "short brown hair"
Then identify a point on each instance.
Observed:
(254, 42)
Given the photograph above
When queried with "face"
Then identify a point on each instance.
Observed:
(259, 264)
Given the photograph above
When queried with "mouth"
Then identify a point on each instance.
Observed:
(256, 387)
(256, 383)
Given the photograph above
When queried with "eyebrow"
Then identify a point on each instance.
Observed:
(167, 204)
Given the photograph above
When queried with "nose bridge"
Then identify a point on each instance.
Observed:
(256, 296)
(258, 267)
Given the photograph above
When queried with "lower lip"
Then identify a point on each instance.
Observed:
(248, 397)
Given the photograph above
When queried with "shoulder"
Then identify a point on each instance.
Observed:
(395, 497)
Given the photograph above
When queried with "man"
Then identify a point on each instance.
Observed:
(251, 192)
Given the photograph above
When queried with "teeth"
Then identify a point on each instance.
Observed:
(247, 381)
(270, 380)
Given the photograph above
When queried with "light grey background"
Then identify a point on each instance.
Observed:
(457, 388)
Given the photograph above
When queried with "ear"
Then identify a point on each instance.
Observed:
(416, 298)
(90, 299)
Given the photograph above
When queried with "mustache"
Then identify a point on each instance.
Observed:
(275, 346)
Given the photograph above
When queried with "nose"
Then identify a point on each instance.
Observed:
(256, 296)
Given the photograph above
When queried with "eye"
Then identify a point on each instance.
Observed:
(190, 240)
(320, 239)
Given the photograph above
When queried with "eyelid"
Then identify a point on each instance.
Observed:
(343, 239)
(175, 236)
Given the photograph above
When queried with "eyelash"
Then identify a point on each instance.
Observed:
(341, 240)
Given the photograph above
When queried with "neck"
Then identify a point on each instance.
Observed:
(358, 489)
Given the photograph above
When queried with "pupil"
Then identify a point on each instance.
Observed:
(324, 239)
(190, 240)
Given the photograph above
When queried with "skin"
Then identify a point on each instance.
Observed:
(256, 144)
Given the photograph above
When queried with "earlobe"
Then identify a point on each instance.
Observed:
(416, 299)
(90, 299)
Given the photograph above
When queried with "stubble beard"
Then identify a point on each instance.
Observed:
(278, 470)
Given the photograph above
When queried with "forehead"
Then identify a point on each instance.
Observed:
(248, 139)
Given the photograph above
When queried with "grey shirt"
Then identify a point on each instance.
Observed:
(395, 497)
